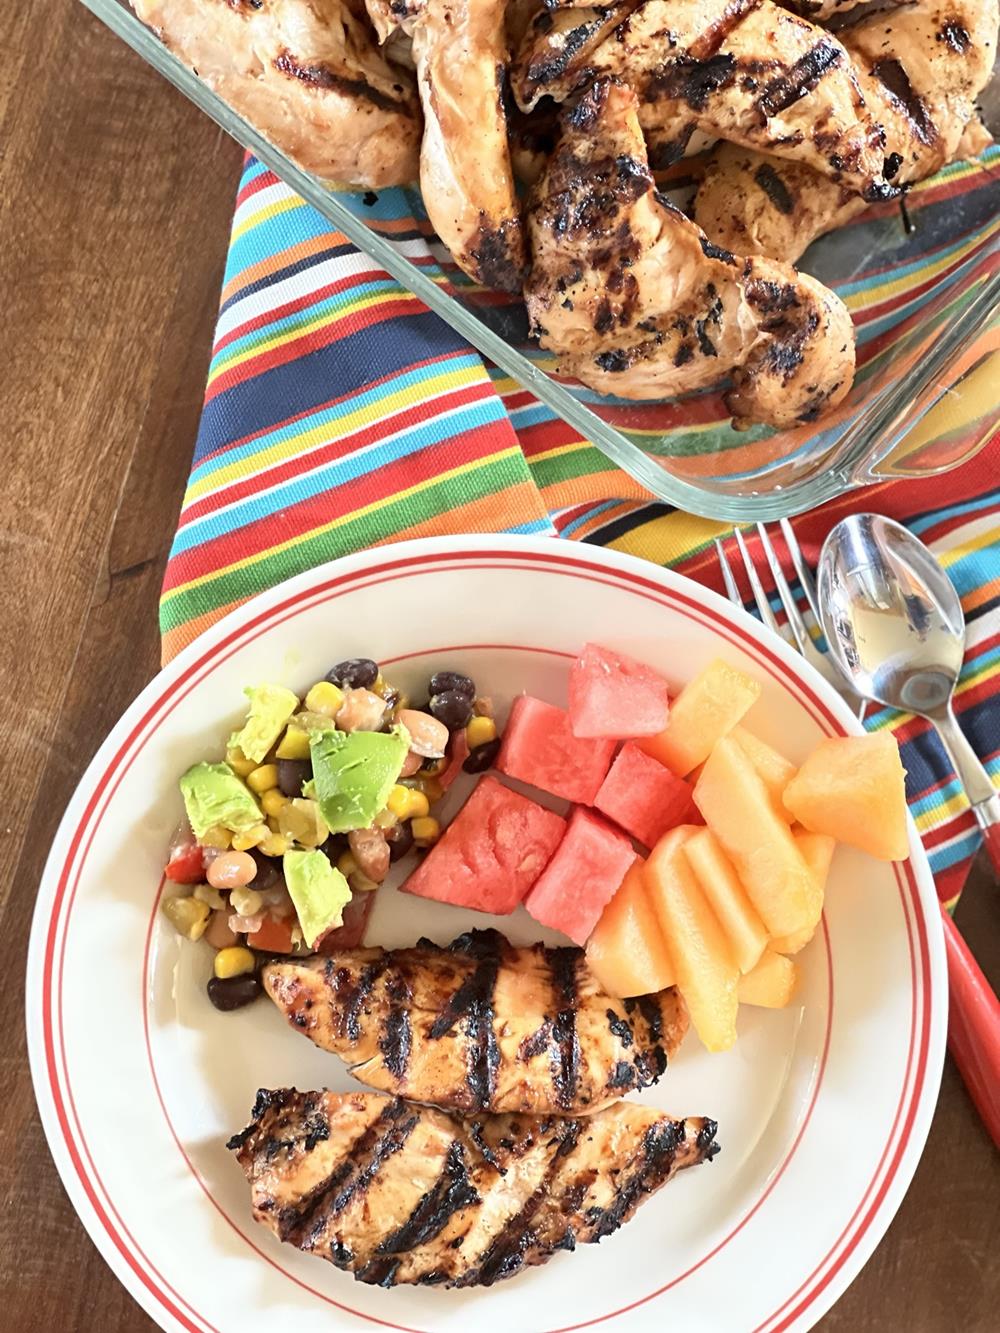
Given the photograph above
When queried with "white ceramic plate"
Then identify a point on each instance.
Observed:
(822, 1110)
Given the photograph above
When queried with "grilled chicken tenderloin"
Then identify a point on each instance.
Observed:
(466, 179)
(396, 1193)
(638, 303)
(308, 75)
(743, 70)
(921, 67)
(480, 1025)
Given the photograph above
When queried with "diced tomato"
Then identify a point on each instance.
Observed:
(458, 752)
(350, 934)
(273, 935)
(186, 864)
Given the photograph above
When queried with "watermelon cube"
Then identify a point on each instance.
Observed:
(614, 695)
(582, 877)
(643, 797)
(491, 853)
(539, 748)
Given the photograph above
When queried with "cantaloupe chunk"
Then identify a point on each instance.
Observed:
(707, 708)
(852, 788)
(727, 898)
(626, 951)
(817, 851)
(738, 809)
(775, 770)
(706, 971)
(771, 984)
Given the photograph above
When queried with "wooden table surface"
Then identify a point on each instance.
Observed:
(115, 197)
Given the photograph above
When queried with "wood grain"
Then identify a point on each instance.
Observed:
(115, 198)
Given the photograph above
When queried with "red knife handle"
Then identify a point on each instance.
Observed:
(973, 1028)
(991, 841)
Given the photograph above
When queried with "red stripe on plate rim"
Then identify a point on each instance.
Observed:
(569, 565)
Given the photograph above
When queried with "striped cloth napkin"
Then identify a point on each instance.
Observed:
(341, 414)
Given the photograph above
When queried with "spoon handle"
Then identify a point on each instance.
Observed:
(975, 780)
(973, 1028)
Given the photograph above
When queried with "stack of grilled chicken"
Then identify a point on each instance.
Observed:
(504, 1138)
(805, 127)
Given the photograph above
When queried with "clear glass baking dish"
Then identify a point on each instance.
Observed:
(927, 310)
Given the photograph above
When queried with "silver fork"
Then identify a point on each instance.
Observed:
(796, 622)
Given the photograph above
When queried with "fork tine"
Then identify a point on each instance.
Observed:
(756, 587)
(802, 572)
(795, 622)
(728, 580)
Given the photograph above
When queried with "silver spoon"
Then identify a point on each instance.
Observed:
(894, 625)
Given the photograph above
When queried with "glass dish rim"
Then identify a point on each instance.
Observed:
(883, 419)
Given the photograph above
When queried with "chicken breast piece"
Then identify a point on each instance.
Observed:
(922, 67)
(307, 75)
(637, 302)
(396, 1193)
(480, 1025)
(745, 70)
(466, 179)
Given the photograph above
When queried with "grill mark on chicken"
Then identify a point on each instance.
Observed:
(802, 78)
(717, 31)
(452, 1191)
(955, 35)
(396, 1040)
(480, 1200)
(894, 78)
(352, 1176)
(479, 1025)
(321, 76)
(692, 81)
(566, 1055)
(774, 187)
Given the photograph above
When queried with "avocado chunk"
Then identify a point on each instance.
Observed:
(270, 708)
(213, 794)
(318, 890)
(354, 772)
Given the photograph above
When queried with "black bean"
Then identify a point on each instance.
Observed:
(292, 773)
(234, 992)
(442, 681)
(451, 708)
(267, 871)
(357, 673)
(400, 840)
(482, 757)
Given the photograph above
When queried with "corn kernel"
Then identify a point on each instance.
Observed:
(238, 762)
(210, 897)
(274, 845)
(325, 698)
(251, 837)
(294, 744)
(407, 803)
(425, 831)
(480, 731)
(246, 901)
(386, 819)
(346, 864)
(273, 802)
(263, 778)
(233, 961)
(216, 836)
(431, 789)
(188, 916)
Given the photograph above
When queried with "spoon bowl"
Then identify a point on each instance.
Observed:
(891, 615)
